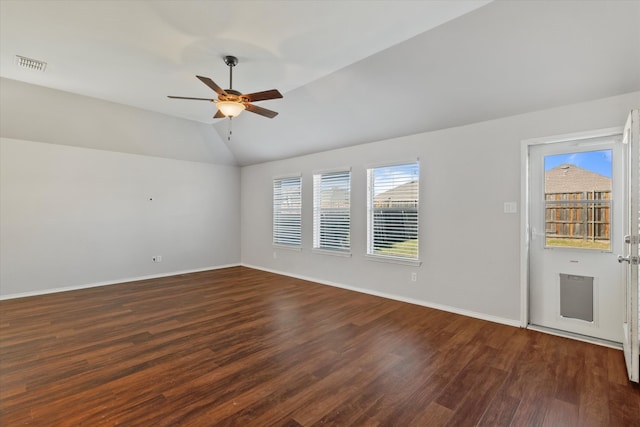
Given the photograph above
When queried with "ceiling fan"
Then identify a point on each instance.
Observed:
(230, 102)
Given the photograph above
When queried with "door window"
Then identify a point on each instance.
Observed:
(577, 191)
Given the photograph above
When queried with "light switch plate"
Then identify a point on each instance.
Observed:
(510, 207)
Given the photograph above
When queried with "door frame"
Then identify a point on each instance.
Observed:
(525, 214)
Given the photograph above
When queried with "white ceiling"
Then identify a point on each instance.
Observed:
(350, 71)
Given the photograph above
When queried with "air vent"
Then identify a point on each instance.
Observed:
(30, 64)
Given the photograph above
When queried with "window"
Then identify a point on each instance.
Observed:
(287, 211)
(577, 192)
(392, 211)
(332, 211)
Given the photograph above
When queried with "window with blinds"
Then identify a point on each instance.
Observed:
(287, 211)
(332, 211)
(392, 211)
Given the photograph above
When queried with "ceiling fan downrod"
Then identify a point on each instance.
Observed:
(231, 61)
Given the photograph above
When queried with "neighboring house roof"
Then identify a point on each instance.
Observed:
(335, 198)
(568, 178)
(405, 193)
(565, 178)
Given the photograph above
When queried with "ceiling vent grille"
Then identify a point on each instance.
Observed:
(30, 64)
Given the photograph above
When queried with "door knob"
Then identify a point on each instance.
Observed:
(634, 260)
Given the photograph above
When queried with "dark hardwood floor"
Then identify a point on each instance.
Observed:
(243, 347)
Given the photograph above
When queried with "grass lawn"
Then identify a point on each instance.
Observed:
(408, 249)
(580, 244)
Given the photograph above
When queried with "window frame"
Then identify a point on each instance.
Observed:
(371, 188)
(318, 176)
(278, 236)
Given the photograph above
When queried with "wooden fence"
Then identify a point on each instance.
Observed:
(582, 215)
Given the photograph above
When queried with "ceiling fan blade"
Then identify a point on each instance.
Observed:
(219, 115)
(263, 96)
(262, 111)
(212, 85)
(186, 97)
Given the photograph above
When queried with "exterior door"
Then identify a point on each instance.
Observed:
(575, 217)
(630, 259)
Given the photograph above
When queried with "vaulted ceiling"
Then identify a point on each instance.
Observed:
(351, 71)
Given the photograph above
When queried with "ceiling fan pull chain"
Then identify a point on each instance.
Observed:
(229, 137)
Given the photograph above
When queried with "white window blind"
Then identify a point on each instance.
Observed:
(287, 211)
(392, 211)
(332, 211)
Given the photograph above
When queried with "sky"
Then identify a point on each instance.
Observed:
(388, 177)
(594, 161)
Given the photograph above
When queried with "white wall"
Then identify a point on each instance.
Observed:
(469, 248)
(76, 178)
(73, 217)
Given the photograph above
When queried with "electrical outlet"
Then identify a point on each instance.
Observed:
(414, 277)
(158, 258)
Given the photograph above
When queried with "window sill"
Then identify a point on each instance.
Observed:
(394, 260)
(287, 247)
(344, 254)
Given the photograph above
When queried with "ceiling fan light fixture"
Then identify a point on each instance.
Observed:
(230, 108)
(231, 103)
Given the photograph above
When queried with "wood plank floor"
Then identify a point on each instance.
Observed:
(243, 347)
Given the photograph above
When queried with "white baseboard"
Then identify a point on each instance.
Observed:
(112, 282)
(450, 309)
